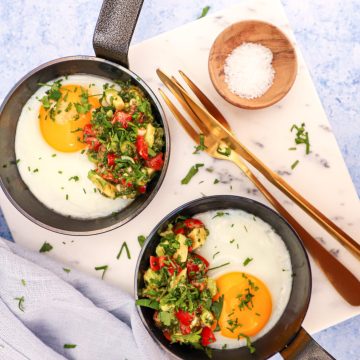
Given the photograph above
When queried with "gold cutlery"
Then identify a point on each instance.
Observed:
(222, 134)
(340, 277)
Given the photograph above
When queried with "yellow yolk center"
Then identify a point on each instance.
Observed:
(60, 129)
(247, 304)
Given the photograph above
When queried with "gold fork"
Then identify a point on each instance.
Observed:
(221, 133)
(340, 277)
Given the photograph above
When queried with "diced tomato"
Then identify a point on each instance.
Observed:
(93, 143)
(88, 130)
(191, 268)
(142, 147)
(198, 284)
(154, 263)
(122, 118)
(185, 330)
(126, 183)
(167, 334)
(202, 259)
(193, 223)
(142, 189)
(179, 230)
(184, 317)
(111, 159)
(190, 249)
(207, 336)
(108, 176)
(156, 163)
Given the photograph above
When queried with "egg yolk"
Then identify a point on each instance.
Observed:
(60, 125)
(247, 304)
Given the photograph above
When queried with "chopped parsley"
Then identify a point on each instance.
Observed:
(23, 282)
(141, 240)
(204, 12)
(150, 303)
(247, 261)
(224, 150)
(69, 346)
(75, 178)
(248, 343)
(21, 301)
(53, 155)
(46, 247)
(191, 173)
(220, 214)
(36, 170)
(102, 268)
(302, 136)
(216, 181)
(216, 307)
(124, 246)
(66, 270)
(201, 146)
(293, 166)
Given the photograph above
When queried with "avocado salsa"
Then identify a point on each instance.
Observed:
(178, 289)
(124, 142)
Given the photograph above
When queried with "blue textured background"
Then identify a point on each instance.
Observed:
(327, 31)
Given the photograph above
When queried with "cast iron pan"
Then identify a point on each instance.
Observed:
(111, 41)
(287, 336)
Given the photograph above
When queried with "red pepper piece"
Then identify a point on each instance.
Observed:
(142, 147)
(193, 223)
(156, 163)
(207, 336)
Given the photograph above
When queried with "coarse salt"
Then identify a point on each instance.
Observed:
(248, 70)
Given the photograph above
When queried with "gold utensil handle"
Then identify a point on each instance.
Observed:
(340, 277)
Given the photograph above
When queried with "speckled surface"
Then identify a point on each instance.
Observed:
(327, 32)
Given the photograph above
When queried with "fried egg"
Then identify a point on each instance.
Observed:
(252, 269)
(51, 156)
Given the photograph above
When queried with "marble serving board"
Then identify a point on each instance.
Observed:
(321, 176)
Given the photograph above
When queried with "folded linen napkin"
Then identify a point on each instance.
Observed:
(61, 308)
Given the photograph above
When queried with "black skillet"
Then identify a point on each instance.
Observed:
(111, 41)
(287, 336)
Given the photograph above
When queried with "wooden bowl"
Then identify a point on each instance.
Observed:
(253, 31)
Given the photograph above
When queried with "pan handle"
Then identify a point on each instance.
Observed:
(114, 29)
(303, 346)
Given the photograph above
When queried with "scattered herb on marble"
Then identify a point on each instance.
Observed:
(103, 268)
(191, 173)
(124, 246)
(247, 261)
(302, 136)
(23, 282)
(46, 247)
(216, 181)
(21, 301)
(294, 165)
(201, 146)
(141, 240)
(216, 254)
(204, 12)
(224, 150)
(66, 270)
(69, 346)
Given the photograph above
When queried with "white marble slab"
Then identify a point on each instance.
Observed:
(321, 177)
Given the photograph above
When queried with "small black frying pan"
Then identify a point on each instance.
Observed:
(287, 336)
(111, 41)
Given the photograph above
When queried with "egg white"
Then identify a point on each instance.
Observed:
(47, 171)
(253, 238)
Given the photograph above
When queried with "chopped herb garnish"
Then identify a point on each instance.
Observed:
(152, 304)
(216, 254)
(67, 196)
(302, 136)
(66, 270)
(224, 150)
(201, 146)
(204, 12)
(292, 148)
(220, 213)
(141, 240)
(53, 155)
(216, 307)
(46, 247)
(124, 246)
(248, 343)
(245, 228)
(103, 268)
(36, 170)
(216, 181)
(293, 166)
(23, 282)
(84, 191)
(217, 267)
(21, 301)
(69, 346)
(60, 172)
(75, 178)
(231, 241)
(192, 172)
(247, 261)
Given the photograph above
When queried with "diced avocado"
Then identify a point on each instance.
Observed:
(198, 237)
(150, 135)
(110, 114)
(179, 278)
(207, 318)
(211, 285)
(182, 252)
(150, 276)
(160, 249)
(150, 171)
(102, 185)
(113, 98)
(127, 147)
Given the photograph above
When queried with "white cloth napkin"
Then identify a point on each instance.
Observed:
(65, 308)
